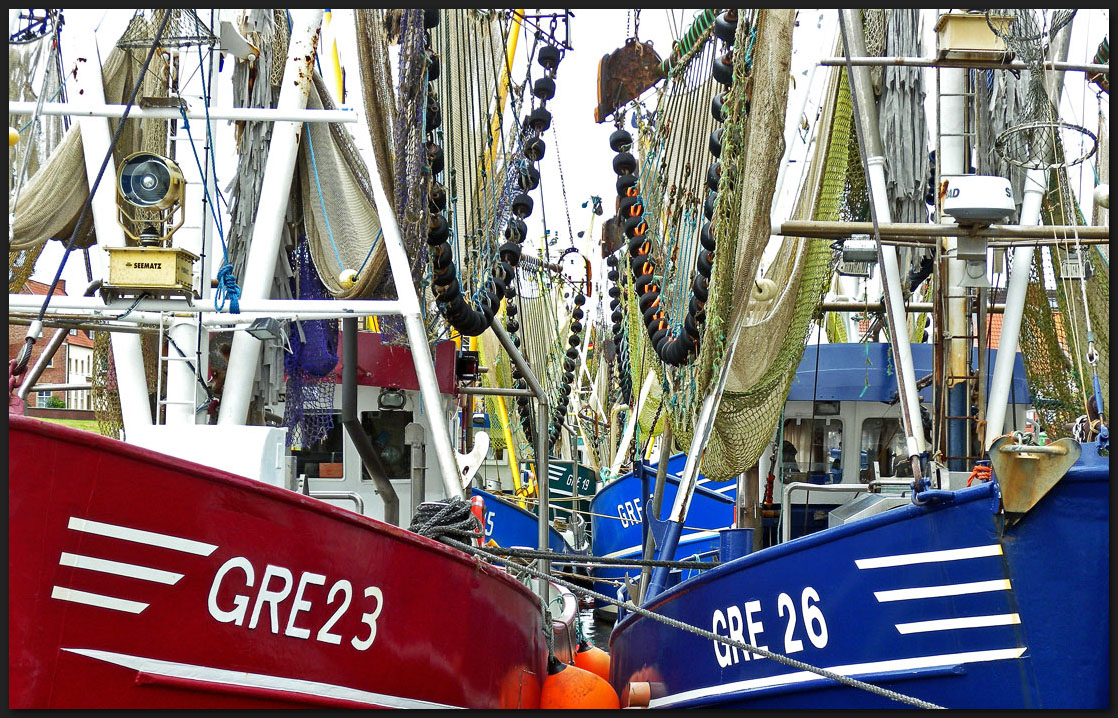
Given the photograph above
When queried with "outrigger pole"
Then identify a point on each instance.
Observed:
(865, 117)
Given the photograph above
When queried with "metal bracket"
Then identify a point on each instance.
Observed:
(469, 463)
(1026, 473)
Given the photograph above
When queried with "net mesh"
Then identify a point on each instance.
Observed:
(308, 410)
(1033, 143)
(104, 392)
(37, 142)
(773, 338)
(184, 29)
(339, 214)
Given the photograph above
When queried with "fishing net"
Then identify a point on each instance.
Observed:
(875, 26)
(772, 340)
(1032, 143)
(267, 31)
(308, 409)
(339, 213)
(184, 29)
(37, 140)
(902, 120)
(103, 388)
(376, 89)
(51, 201)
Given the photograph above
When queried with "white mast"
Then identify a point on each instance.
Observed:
(263, 250)
(96, 145)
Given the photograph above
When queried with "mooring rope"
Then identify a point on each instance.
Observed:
(561, 558)
(741, 645)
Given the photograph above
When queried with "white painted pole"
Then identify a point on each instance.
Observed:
(235, 114)
(631, 423)
(1022, 262)
(894, 306)
(250, 308)
(866, 119)
(420, 349)
(274, 191)
(128, 355)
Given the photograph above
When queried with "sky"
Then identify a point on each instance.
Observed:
(583, 147)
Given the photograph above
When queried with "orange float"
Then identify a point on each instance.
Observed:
(591, 658)
(572, 687)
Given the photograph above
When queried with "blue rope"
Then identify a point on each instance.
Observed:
(321, 201)
(370, 253)
(227, 289)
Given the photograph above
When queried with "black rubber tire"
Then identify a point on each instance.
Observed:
(624, 182)
(516, 230)
(528, 178)
(714, 174)
(522, 205)
(535, 149)
(624, 164)
(723, 70)
(726, 27)
(437, 229)
(709, 204)
(434, 157)
(715, 144)
(436, 197)
(538, 119)
(549, 57)
(706, 237)
(620, 141)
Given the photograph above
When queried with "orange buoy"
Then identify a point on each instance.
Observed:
(477, 508)
(572, 687)
(591, 658)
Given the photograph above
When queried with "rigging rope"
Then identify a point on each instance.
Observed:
(702, 633)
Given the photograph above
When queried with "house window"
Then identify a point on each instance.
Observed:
(41, 399)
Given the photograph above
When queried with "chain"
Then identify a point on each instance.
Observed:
(563, 182)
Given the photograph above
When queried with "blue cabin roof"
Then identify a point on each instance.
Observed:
(845, 370)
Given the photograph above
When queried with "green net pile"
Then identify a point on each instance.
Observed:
(1059, 377)
(773, 339)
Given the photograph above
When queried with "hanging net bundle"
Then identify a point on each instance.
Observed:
(308, 410)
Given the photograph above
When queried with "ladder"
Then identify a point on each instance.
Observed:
(169, 351)
(957, 457)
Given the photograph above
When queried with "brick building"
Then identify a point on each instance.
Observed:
(72, 363)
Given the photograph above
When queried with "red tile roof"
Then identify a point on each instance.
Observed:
(33, 287)
(81, 339)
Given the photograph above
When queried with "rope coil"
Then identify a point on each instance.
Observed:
(442, 520)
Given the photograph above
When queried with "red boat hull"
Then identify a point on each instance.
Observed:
(138, 580)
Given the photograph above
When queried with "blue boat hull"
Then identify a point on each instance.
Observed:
(942, 602)
(617, 521)
(509, 525)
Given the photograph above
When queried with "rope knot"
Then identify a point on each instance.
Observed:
(227, 289)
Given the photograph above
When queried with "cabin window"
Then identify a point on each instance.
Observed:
(385, 430)
(322, 459)
(883, 441)
(812, 450)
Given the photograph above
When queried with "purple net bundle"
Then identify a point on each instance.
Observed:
(309, 409)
